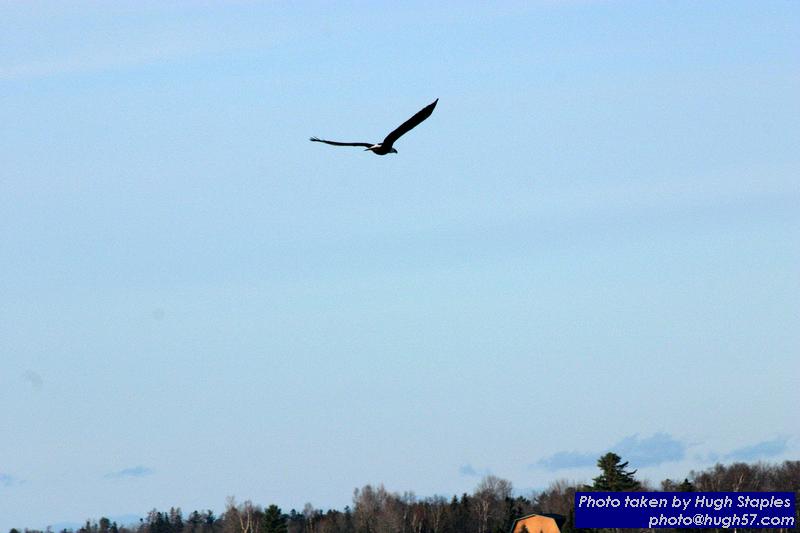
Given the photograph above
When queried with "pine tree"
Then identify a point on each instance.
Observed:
(614, 477)
(175, 520)
(348, 520)
(274, 520)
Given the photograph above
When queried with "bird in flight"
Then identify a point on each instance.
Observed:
(385, 147)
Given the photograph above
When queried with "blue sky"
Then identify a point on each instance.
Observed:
(592, 244)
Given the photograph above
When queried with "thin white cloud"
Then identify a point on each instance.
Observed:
(122, 48)
(7, 480)
(760, 450)
(568, 459)
(135, 471)
(33, 378)
(468, 470)
(640, 452)
(655, 450)
(96, 60)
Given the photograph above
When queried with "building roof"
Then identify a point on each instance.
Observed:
(538, 523)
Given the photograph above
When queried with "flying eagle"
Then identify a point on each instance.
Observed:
(385, 147)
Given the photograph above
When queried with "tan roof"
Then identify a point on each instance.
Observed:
(535, 523)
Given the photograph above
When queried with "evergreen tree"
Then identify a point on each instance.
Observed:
(274, 520)
(175, 520)
(194, 521)
(614, 477)
(688, 486)
(349, 527)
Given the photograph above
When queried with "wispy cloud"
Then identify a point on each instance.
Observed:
(761, 450)
(33, 378)
(708, 457)
(136, 471)
(130, 47)
(649, 451)
(562, 460)
(7, 480)
(468, 470)
(98, 60)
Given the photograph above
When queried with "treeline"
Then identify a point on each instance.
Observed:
(490, 508)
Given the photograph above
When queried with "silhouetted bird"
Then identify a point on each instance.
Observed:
(385, 147)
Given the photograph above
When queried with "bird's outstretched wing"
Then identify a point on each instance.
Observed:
(409, 124)
(334, 143)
